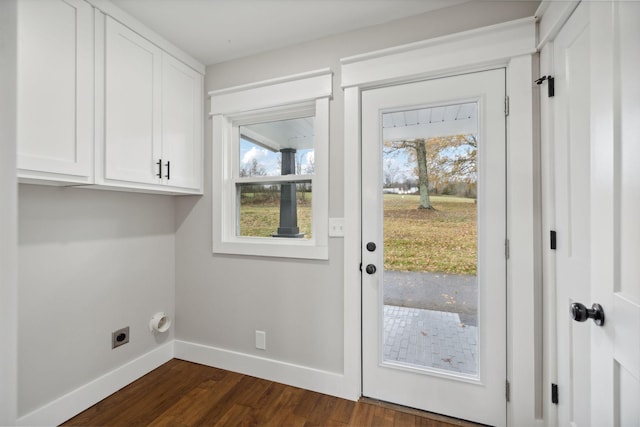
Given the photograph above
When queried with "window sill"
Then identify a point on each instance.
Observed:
(272, 247)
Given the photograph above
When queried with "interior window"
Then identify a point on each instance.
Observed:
(270, 180)
(276, 209)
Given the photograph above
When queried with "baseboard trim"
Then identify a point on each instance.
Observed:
(76, 401)
(334, 384)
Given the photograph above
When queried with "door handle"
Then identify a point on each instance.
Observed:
(370, 269)
(580, 313)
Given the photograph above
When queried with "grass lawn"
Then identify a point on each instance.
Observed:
(441, 240)
(262, 220)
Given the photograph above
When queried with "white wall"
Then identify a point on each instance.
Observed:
(222, 300)
(8, 214)
(90, 262)
(94, 261)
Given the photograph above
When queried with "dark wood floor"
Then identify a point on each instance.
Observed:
(181, 393)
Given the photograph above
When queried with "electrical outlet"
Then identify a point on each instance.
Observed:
(119, 337)
(261, 340)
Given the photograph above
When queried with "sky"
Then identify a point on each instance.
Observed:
(270, 160)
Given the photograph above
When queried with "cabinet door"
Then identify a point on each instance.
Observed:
(132, 128)
(55, 90)
(181, 124)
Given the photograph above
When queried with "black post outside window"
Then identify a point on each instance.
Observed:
(288, 203)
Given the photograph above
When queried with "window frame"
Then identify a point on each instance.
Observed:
(278, 99)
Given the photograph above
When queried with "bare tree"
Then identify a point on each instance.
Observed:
(310, 167)
(252, 169)
(464, 163)
(390, 172)
(417, 149)
(439, 161)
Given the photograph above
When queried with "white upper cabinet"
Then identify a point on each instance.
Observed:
(105, 102)
(152, 137)
(132, 129)
(55, 91)
(182, 127)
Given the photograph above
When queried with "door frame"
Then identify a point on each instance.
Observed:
(552, 17)
(511, 45)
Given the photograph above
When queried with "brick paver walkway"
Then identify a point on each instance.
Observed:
(435, 339)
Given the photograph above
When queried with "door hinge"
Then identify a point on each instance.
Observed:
(551, 89)
(506, 248)
(552, 239)
(554, 393)
(507, 390)
(506, 106)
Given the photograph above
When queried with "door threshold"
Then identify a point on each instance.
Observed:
(417, 412)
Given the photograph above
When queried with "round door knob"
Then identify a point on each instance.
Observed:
(371, 246)
(370, 269)
(580, 313)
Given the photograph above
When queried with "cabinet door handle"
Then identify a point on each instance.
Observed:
(159, 163)
(168, 175)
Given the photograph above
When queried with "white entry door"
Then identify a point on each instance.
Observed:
(434, 268)
(615, 207)
(596, 57)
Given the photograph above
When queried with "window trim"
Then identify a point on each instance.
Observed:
(287, 97)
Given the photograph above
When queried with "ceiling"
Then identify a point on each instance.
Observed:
(275, 136)
(214, 31)
(446, 120)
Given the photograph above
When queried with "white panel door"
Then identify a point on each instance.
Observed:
(597, 185)
(572, 202)
(422, 356)
(615, 207)
(55, 89)
(133, 71)
(181, 124)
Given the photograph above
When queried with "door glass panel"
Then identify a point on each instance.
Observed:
(430, 189)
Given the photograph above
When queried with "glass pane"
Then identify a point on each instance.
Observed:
(430, 238)
(275, 209)
(283, 147)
